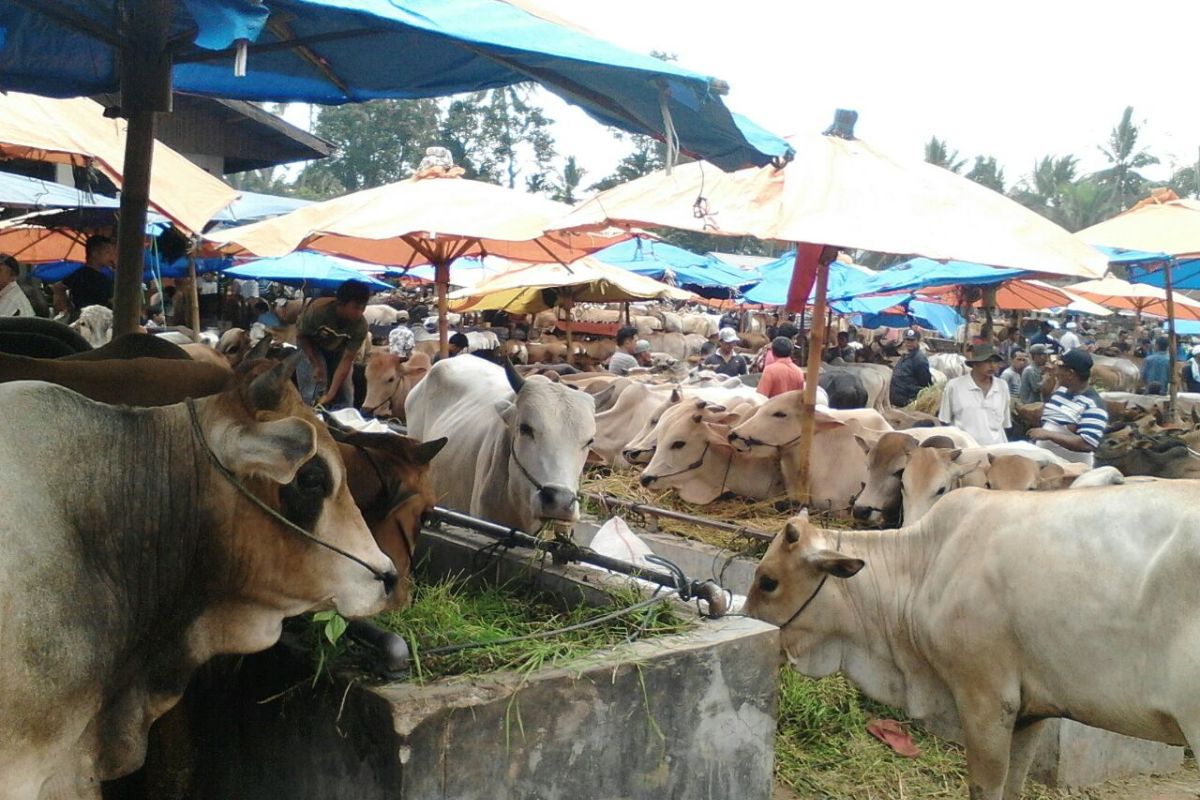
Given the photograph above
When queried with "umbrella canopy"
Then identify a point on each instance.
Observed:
(310, 269)
(336, 51)
(19, 191)
(1171, 227)
(846, 193)
(253, 206)
(155, 268)
(1023, 295)
(530, 288)
(433, 219)
(76, 132)
(1125, 296)
(845, 282)
(920, 273)
(656, 259)
(934, 316)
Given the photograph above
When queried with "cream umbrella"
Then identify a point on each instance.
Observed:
(435, 217)
(843, 192)
(529, 288)
(76, 132)
(1137, 297)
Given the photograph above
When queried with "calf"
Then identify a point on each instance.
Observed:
(389, 380)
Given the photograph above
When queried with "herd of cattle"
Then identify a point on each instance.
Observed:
(995, 609)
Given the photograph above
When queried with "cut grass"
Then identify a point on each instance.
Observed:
(455, 611)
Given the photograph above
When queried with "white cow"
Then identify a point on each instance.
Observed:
(516, 447)
(997, 614)
(95, 324)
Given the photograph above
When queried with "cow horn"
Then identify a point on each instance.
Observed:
(261, 348)
(266, 391)
(514, 378)
(427, 450)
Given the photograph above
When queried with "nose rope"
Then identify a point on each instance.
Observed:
(386, 579)
(697, 464)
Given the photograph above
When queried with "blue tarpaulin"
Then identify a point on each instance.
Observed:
(1147, 268)
(53, 271)
(702, 274)
(777, 277)
(921, 273)
(307, 268)
(253, 206)
(943, 319)
(357, 50)
(23, 192)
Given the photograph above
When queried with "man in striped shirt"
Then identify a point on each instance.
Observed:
(1074, 418)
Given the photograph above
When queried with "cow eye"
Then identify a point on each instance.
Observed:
(780, 414)
(941, 491)
(898, 473)
(678, 444)
(987, 485)
(391, 379)
(588, 443)
(526, 429)
(767, 583)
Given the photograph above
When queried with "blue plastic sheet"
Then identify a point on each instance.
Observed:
(693, 271)
(307, 268)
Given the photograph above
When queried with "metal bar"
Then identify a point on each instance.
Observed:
(193, 57)
(679, 516)
(557, 549)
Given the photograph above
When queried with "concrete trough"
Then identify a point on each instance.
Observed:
(688, 715)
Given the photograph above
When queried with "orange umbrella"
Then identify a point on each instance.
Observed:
(1023, 295)
(1138, 297)
(435, 217)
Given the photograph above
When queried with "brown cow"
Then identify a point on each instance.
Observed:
(389, 380)
(389, 480)
(135, 381)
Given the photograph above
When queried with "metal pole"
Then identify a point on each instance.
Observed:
(1172, 380)
(812, 375)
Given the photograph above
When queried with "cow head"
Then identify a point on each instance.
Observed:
(389, 380)
(234, 344)
(776, 423)
(389, 480)
(879, 501)
(685, 441)
(643, 444)
(1016, 473)
(95, 325)
(551, 428)
(792, 573)
(932, 472)
(274, 445)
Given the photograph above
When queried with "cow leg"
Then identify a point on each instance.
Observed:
(1025, 740)
(987, 722)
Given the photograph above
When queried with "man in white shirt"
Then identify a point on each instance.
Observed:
(978, 402)
(13, 302)
(624, 359)
(1069, 339)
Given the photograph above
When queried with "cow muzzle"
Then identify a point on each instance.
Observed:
(556, 502)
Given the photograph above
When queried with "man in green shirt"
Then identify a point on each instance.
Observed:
(330, 331)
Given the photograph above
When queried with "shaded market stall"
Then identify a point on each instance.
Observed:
(331, 52)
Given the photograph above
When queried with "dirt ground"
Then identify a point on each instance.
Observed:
(1181, 785)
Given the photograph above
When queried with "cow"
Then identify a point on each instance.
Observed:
(695, 458)
(39, 338)
(876, 380)
(643, 444)
(1169, 456)
(135, 381)
(952, 365)
(95, 324)
(844, 389)
(388, 476)
(389, 381)
(197, 530)
(132, 345)
(994, 615)
(516, 446)
(837, 466)
(233, 345)
(933, 472)
(887, 457)
(379, 314)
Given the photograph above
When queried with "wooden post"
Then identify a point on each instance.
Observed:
(566, 304)
(145, 90)
(812, 376)
(193, 297)
(441, 276)
(1172, 379)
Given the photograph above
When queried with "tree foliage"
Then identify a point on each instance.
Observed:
(987, 172)
(1122, 152)
(938, 153)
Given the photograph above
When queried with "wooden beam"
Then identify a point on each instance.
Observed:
(812, 377)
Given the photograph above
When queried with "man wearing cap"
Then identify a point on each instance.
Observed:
(1074, 418)
(1191, 371)
(782, 374)
(1069, 340)
(1043, 337)
(725, 361)
(623, 359)
(978, 401)
(911, 373)
(1030, 390)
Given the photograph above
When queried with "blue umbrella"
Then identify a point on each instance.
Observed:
(54, 271)
(253, 206)
(23, 192)
(1145, 267)
(777, 277)
(700, 273)
(943, 319)
(308, 268)
(921, 273)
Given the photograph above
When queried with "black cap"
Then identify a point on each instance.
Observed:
(1078, 361)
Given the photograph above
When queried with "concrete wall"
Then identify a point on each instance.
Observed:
(691, 715)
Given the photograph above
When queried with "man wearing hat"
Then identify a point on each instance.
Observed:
(725, 361)
(1030, 390)
(978, 401)
(911, 372)
(1074, 418)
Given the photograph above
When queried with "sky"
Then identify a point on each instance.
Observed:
(1016, 80)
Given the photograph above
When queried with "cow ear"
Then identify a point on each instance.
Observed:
(266, 391)
(427, 450)
(863, 443)
(273, 450)
(717, 435)
(261, 348)
(791, 534)
(1050, 476)
(991, 459)
(676, 395)
(834, 563)
(504, 408)
(952, 455)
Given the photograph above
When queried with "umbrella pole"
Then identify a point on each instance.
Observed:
(193, 297)
(1172, 379)
(441, 276)
(812, 375)
(131, 232)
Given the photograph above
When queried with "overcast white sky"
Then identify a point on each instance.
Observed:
(1017, 79)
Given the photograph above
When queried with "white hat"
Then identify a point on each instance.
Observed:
(642, 346)
(728, 335)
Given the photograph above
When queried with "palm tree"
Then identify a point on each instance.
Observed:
(1123, 153)
(987, 172)
(938, 153)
